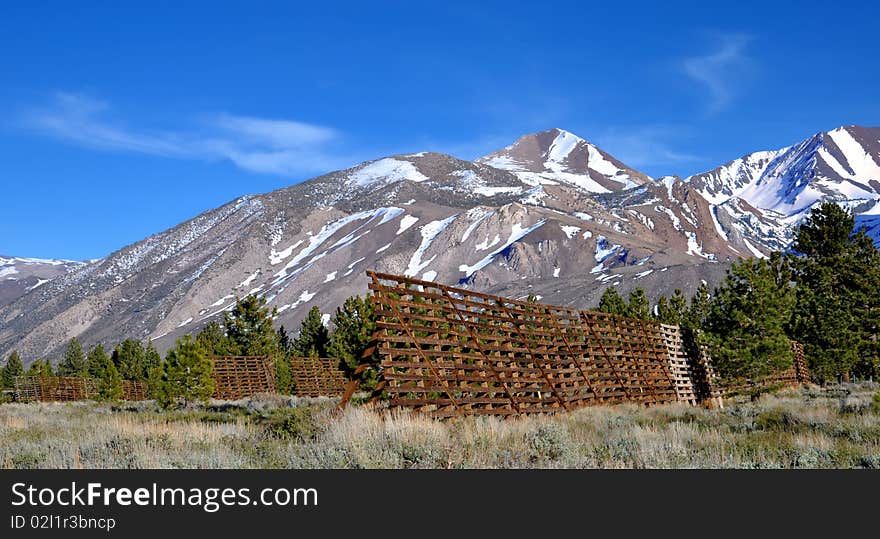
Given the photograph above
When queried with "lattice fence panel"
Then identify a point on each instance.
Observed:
(54, 388)
(801, 371)
(680, 365)
(237, 377)
(449, 351)
(134, 390)
(315, 377)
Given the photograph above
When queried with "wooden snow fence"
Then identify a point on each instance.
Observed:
(238, 377)
(54, 388)
(449, 351)
(134, 390)
(316, 377)
(70, 388)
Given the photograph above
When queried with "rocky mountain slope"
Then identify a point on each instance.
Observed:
(19, 276)
(550, 215)
(766, 194)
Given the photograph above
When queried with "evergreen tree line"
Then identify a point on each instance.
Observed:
(824, 293)
(185, 374)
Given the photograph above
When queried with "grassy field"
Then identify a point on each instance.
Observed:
(806, 428)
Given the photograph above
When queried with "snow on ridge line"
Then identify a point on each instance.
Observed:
(276, 257)
(327, 231)
(429, 232)
(752, 248)
(388, 169)
(562, 146)
(714, 213)
(47, 261)
(859, 161)
(479, 215)
(517, 233)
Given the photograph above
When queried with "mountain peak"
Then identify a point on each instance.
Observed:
(559, 156)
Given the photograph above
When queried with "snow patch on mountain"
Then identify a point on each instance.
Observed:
(387, 170)
(476, 216)
(517, 233)
(405, 223)
(429, 232)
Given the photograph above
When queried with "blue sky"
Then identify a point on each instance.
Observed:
(123, 119)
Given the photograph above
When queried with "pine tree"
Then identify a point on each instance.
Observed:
(283, 369)
(185, 375)
(153, 368)
(661, 310)
(672, 311)
(746, 321)
(11, 370)
(35, 368)
(639, 306)
(96, 361)
(214, 341)
(354, 324)
(313, 337)
(40, 368)
(249, 328)
(74, 362)
(152, 358)
(837, 317)
(284, 342)
(677, 306)
(611, 302)
(101, 367)
(129, 359)
(695, 316)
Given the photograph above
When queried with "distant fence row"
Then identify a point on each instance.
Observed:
(448, 351)
(235, 377)
(70, 388)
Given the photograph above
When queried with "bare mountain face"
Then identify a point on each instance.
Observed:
(529, 219)
(765, 195)
(19, 276)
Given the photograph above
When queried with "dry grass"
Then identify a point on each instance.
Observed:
(807, 428)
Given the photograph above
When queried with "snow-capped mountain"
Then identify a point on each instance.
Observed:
(21, 275)
(557, 156)
(550, 215)
(766, 194)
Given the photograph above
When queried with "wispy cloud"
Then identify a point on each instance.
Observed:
(271, 146)
(645, 146)
(722, 70)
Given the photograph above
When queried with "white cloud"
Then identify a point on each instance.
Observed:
(723, 70)
(272, 146)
